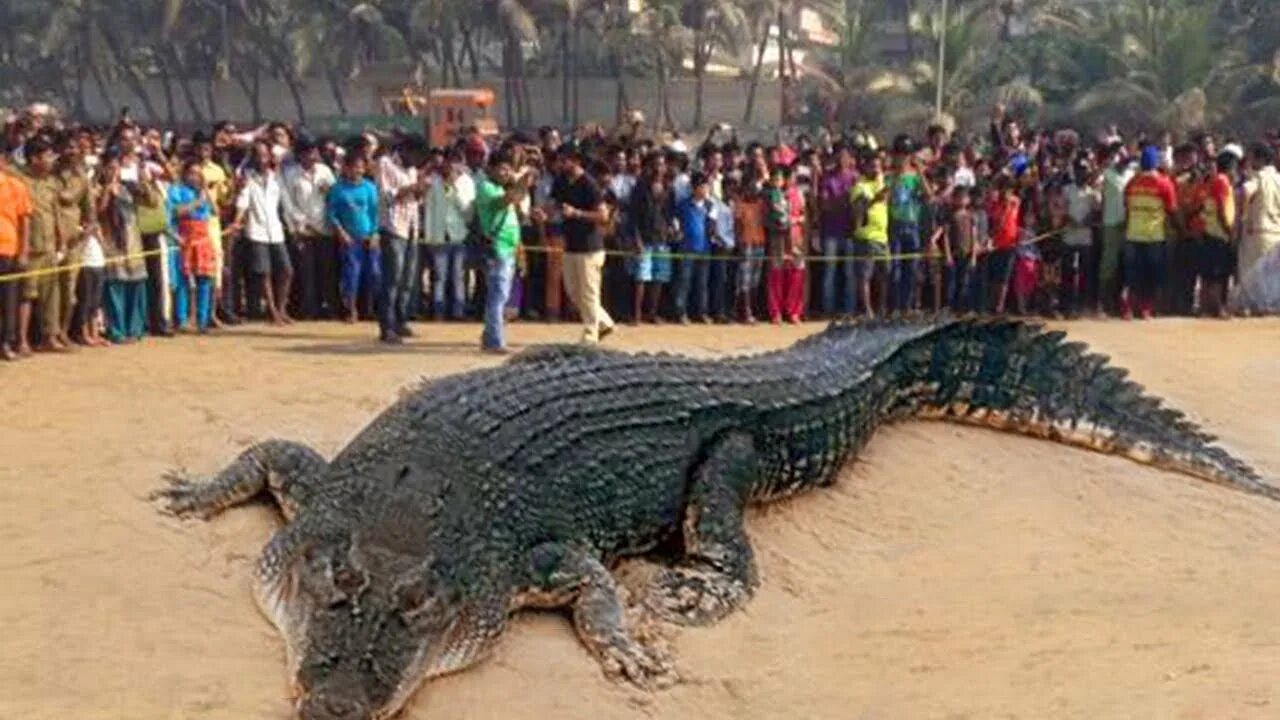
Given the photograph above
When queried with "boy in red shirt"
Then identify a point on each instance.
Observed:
(1004, 218)
(1150, 200)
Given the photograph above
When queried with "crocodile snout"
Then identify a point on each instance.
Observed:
(332, 707)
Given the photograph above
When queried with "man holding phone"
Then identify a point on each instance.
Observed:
(497, 202)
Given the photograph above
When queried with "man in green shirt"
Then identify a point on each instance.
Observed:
(497, 202)
(871, 233)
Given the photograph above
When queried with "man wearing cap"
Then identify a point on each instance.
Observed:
(584, 211)
(1150, 203)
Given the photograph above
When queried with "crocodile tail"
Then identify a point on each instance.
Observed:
(1014, 376)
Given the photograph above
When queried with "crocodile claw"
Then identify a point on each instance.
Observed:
(182, 498)
(647, 668)
(692, 596)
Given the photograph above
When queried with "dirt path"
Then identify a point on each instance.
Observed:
(953, 573)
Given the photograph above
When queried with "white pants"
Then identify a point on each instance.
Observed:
(582, 274)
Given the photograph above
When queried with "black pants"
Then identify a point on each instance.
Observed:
(9, 303)
(1078, 281)
(304, 252)
(155, 285)
(89, 288)
(535, 281)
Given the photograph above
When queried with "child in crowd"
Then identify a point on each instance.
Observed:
(962, 245)
(89, 287)
(785, 227)
(1084, 211)
(1004, 217)
(749, 212)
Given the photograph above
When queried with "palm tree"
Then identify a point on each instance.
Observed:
(716, 25)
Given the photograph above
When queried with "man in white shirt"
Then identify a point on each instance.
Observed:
(1119, 171)
(258, 215)
(447, 216)
(315, 255)
(400, 218)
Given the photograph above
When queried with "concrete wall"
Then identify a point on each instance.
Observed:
(725, 100)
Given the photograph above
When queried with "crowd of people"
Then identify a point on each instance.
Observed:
(109, 234)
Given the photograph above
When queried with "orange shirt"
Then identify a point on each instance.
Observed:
(748, 216)
(1218, 193)
(1150, 199)
(15, 204)
(1191, 192)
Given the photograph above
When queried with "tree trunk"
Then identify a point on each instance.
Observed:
(101, 82)
(566, 72)
(335, 87)
(184, 83)
(756, 72)
(622, 104)
(784, 80)
(577, 70)
(166, 82)
(469, 50)
(522, 88)
(81, 111)
(661, 80)
(210, 95)
(508, 84)
(906, 28)
(700, 59)
(130, 73)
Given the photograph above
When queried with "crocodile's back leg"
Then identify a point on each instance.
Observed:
(1012, 376)
(288, 470)
(717, 573)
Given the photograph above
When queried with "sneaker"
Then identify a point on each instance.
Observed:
(405, 331)
(606, 332)
(391, 339)
(495, 350)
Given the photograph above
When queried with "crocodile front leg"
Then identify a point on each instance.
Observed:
(565, 575)
(717, 573)
(289, 470)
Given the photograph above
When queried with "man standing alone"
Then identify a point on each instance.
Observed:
(584, 211)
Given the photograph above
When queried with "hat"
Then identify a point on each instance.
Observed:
(1234, 149)
(1151, 158)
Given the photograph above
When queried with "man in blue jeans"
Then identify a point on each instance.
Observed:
(692, 278)
(400, 219)
(836, 224)
(450, 205)
(497, 200)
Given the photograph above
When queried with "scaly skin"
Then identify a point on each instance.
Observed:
(516, 487)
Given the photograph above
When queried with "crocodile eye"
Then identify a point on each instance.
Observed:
(411, 597)
(347, 580)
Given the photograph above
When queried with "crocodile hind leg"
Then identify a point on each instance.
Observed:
(561, 575)
(717, 573)
(286, 469)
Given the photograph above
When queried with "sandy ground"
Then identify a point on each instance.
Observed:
(954, 573)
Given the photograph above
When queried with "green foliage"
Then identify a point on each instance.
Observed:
(1156, 63)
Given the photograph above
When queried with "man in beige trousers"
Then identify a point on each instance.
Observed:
(585, 214)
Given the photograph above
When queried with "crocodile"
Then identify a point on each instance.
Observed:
(522, 486)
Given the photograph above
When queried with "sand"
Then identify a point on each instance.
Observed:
(953, 573)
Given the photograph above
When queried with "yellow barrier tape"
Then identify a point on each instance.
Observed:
(69, 267)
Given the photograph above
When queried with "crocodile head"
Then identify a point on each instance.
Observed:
(367, 624)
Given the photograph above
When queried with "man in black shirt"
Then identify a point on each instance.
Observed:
(585, 213)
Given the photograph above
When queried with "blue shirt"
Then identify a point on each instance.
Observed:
(183, 194)
(353, 207)
(693, 216)
(722, 215)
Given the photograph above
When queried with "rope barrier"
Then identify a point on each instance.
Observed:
(69, 267)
